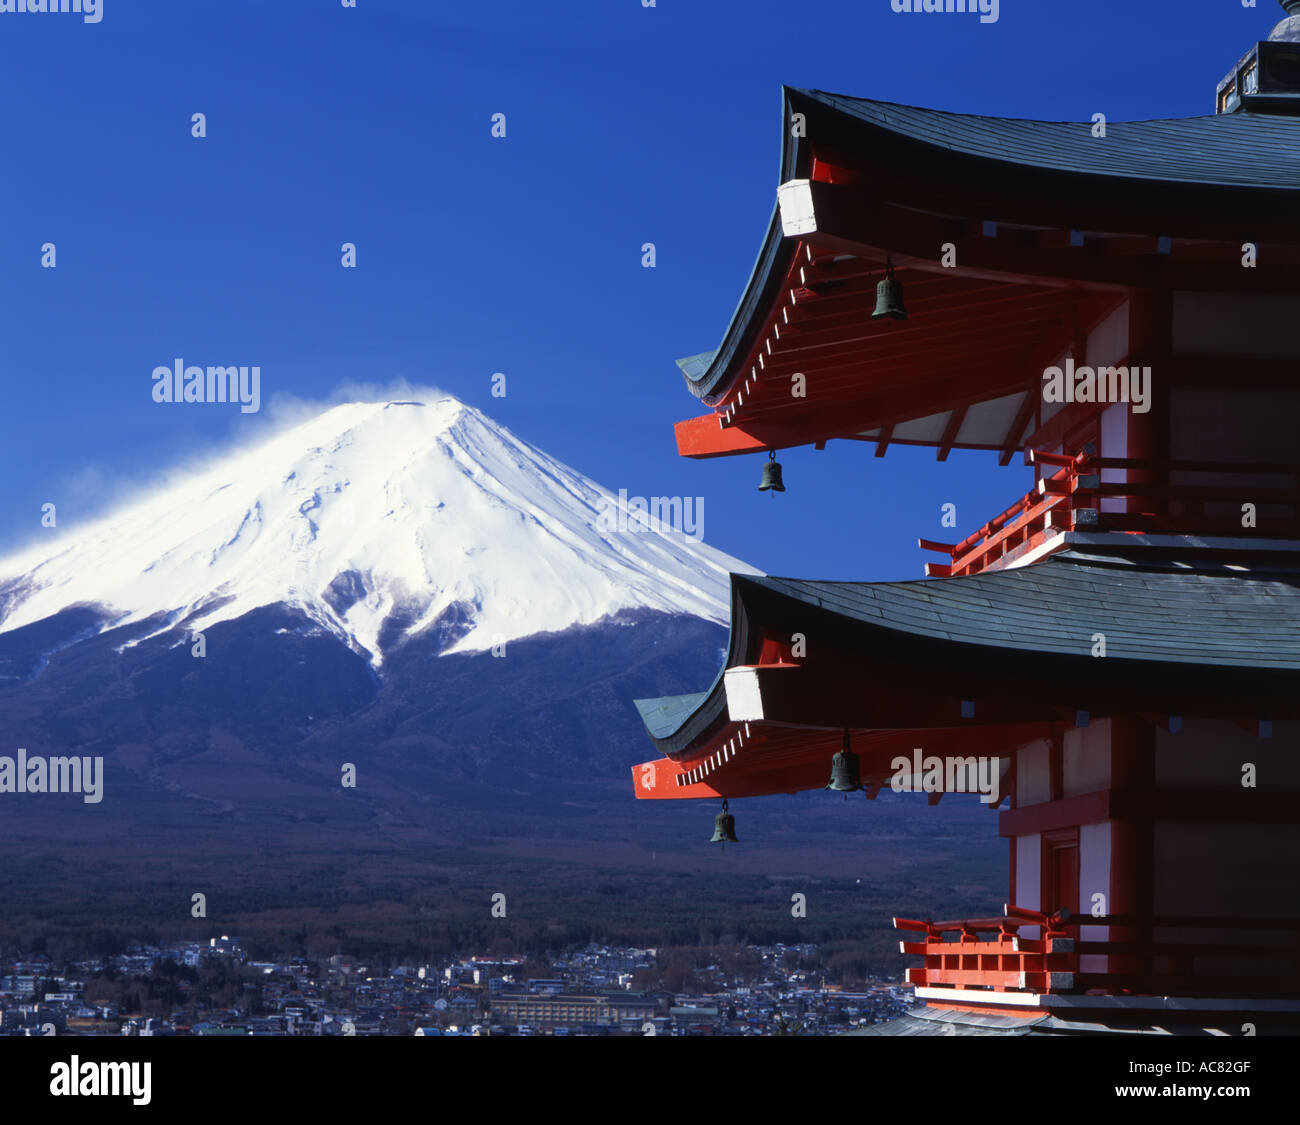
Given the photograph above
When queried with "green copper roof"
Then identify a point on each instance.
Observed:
(1228, 150)
(694, 366)
(663, 716)
(1219, 620)
(1163, 622)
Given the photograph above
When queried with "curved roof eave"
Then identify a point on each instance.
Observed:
(675, 722)
(705, 373)
(1242, 152)
(1215, 624)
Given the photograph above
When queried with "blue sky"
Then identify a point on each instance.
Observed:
(478, 255)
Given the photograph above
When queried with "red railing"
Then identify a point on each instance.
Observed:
(1155, 497)
(1165, 955)
(989, 953)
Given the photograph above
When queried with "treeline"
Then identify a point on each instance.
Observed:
(545, 911)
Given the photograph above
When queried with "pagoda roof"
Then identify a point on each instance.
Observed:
(1052, 226)
(1177, 635)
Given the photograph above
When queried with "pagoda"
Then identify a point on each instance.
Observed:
(1117, 654)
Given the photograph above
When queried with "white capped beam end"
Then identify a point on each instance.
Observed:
(744, 699)
(796, 203)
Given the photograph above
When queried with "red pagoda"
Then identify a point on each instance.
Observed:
(1119, 650)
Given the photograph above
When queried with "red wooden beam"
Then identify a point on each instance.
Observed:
(1011, 442)
(943, 548)
(1029, 820)
(950, 431)
(886, 432)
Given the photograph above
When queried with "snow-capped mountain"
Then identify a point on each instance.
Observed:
(380, 522)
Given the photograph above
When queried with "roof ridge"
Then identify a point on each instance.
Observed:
(823, 95)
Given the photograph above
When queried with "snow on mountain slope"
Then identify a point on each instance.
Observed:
(378, 520)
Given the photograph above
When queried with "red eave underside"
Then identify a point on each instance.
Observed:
(967, 341)
(754, 760)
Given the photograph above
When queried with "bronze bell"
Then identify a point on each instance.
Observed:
(889, 297)
(845, 774)
(724, 827)
(772, 475)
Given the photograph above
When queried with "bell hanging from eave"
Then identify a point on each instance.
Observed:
(771, 475)
(889, 297)
(724, 827)
(846, 777)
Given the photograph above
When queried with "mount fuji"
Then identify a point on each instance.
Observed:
(343, 592)
(381, 523)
